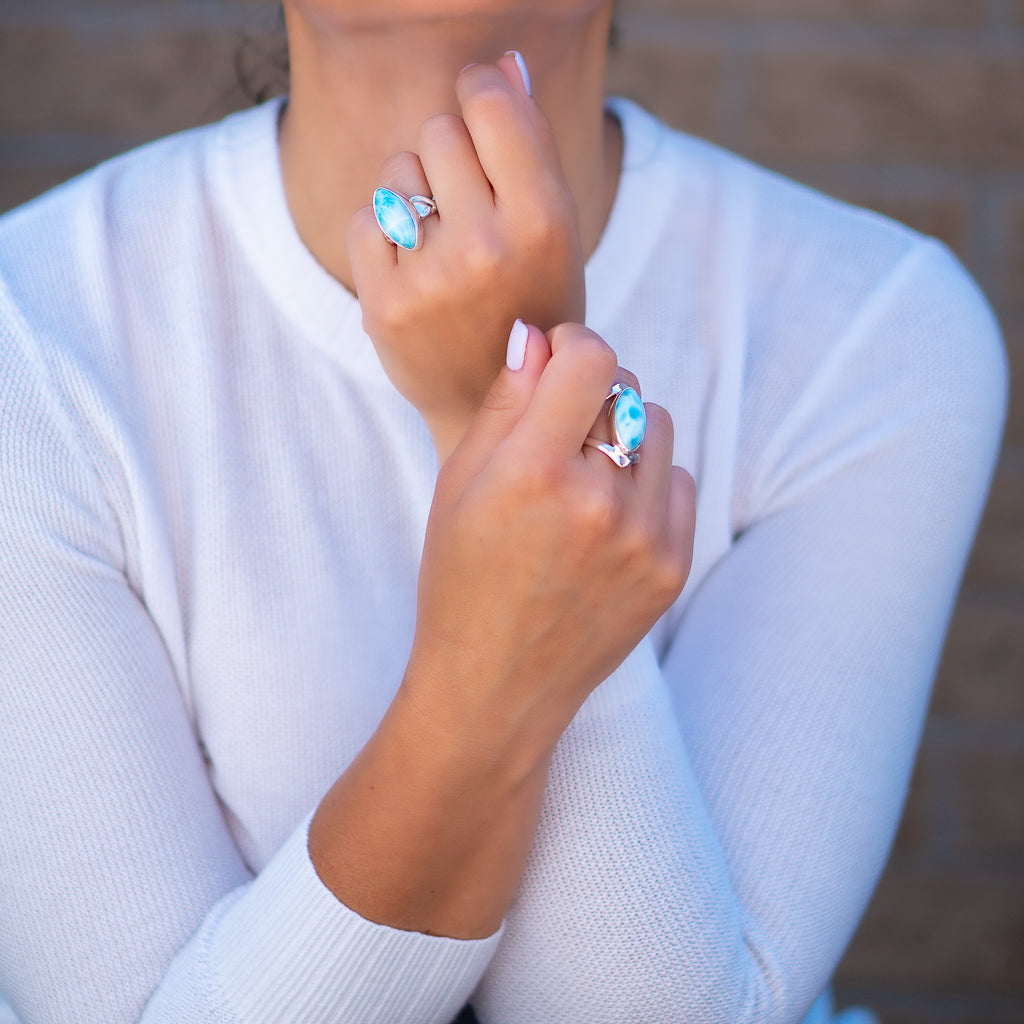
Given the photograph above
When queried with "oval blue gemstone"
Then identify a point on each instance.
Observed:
(395, 218)
(629, 420)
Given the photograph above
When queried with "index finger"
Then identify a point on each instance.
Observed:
(513, 139)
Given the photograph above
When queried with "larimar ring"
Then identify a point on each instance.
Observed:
(401, 217)
(628, 420)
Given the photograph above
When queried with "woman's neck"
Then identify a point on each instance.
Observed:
(360, 91)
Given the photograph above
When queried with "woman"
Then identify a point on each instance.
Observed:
(299, 726)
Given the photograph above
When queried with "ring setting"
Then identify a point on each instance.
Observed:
(628, 420)
(401, 217)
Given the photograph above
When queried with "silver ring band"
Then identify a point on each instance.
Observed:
(618, 455)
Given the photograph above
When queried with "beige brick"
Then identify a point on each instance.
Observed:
(998, 557)
(982, 666)
(134, 86)
(946, 931)
(991, 811)
(954, 109)
(1008, 280)
(900, 12)
(1012, 323)
(916, 1007)
(682, 88)
(18, 186)
(920, 1015)
(913, 835)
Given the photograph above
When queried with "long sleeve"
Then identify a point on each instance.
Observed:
(121, 887)
(716, 823)
(212, 506)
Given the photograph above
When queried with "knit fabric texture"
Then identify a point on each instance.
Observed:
(212, 508)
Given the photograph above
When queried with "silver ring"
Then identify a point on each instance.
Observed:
(400, 217)
(628, 419)
(618, 455)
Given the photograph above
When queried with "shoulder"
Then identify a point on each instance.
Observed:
(104, 283)
(826, 323)
(781, 256)
(119, 235)
(812, 276)
(782, 238)
(109, 281)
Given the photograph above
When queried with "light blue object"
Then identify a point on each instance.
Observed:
(397, 218)
(629, 420)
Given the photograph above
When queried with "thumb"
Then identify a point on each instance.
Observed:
(506, 401)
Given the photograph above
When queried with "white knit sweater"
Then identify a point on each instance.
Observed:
(212, 504)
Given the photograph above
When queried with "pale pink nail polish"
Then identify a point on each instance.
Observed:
(523, 72)
(517, 346)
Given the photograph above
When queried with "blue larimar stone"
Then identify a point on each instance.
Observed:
(629, 419)
(395, 218)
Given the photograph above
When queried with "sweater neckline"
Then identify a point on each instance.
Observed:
(246, 176)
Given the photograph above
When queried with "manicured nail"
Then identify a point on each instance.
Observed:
(517, 346)
(521, 65)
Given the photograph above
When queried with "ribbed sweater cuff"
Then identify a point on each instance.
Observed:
(290, 950)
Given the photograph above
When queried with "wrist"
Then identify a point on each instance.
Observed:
(469, 734)
(421, 834)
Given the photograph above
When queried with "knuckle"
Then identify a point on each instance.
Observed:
(400, 168)
(487, 96)
(659, 421)
(484, 256)
(668, 578)
(472, 74)
(641, 542)
(441, 129)
(500, 397)
(601, 355)
(394, 316)
(629, 378)
(538, 484)
(597, 515)
(545, 476)
(547, 222)
(592, 353)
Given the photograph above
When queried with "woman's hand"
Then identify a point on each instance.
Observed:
(504, 244)
(544, 564)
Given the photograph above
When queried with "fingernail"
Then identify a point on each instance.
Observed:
(517, 346)
(523, 72)
(473, 64)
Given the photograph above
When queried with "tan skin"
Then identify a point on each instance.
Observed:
(531, 535)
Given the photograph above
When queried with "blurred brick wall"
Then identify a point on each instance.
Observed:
(914, 107)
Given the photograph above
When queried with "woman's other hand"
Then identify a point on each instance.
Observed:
(503, 244)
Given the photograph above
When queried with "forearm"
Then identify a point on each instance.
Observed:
(429, 828)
